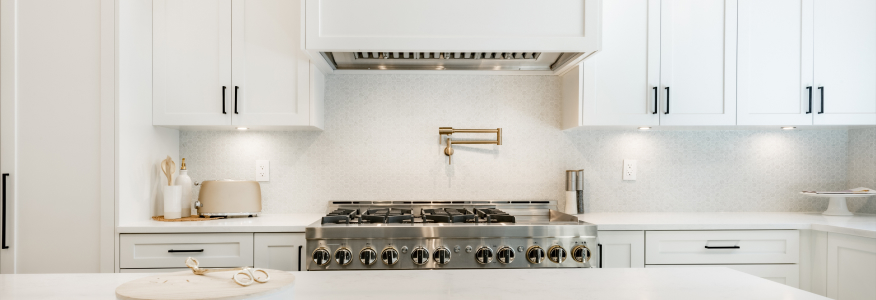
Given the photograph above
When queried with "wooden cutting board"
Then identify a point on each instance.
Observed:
(211, 286)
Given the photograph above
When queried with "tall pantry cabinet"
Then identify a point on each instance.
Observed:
(233, 63)
(807, 62)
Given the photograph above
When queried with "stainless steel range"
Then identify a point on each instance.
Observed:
(381, 235)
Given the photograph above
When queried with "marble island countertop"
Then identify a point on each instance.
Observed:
(654, 284)
(859, 224)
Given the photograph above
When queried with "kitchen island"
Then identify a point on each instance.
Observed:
(702, 283)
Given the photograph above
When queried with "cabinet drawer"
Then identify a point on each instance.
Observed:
(784, 274)
(171, 250)
(722, 247)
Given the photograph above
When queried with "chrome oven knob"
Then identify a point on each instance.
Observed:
(441, 255)
(535, 254)
(420, 256)
(484, 255)
(343, 256)
(505, 255)
(368, 256)
(321, 256)
(581, 254)
(389, 256)
(557, 254)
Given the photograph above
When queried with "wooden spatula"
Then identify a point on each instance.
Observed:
(168, 167)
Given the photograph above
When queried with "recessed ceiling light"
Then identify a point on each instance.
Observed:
(242, 128)
(789, 128)
(644, 128)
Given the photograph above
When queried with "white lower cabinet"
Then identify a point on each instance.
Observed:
(212, 250)
(722, 247)
(787, 274)
(167, 252)
(622, 249)
(851, 267)
(279, 251)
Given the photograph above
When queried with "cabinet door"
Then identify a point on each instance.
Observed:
(621, 81)
(270, 70)
(622, 249)
(775, 62)
(279, 251)
(191, 62)
(845, 62)
(787, 274)
(851, 267)
(698, 62)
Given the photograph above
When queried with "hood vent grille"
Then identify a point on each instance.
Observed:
(447, 55)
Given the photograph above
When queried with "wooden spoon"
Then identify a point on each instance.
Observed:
(168, 167)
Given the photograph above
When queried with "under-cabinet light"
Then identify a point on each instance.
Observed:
(644, 128)
(789, 128)
(242, 128)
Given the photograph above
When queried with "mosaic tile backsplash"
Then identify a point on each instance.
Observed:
(381, 142)
(862, 167)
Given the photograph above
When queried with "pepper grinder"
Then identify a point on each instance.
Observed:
(579, 188)
(571, 194)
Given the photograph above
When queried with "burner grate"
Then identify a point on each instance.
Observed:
(448, 215)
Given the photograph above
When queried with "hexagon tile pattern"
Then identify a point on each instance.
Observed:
(381, 142)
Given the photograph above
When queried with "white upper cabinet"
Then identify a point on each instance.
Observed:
(618, 85)
(254, 54)
(698, 62)
(663, 62)
(845, 62)
(791, 52)
(191, 61)
(775, 62)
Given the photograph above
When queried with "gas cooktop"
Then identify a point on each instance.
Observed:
(476, 234)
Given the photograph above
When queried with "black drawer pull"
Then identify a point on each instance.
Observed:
(4, 211)
(600, 255)
(821, 111)
(655, 100)
(667, 101)
(192, 250)
(722, 247)
(299, 257)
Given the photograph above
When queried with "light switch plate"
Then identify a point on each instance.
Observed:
(263, 170)
(630, 169)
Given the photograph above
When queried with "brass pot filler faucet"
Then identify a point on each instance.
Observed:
(449, 130)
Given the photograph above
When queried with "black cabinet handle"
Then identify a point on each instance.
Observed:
(235, 98)
(810, 100)
(299, 257)
(655, 100)
(821, 88)
(722, 247)
(192, 250)
(223, 100)
(667, 101)
(4, 211)
(600, 255)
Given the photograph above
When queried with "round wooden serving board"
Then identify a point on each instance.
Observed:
(210, 286)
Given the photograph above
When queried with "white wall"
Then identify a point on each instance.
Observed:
(381, 143)
(141, 146)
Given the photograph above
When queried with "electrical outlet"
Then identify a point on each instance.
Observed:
(630, 169)
(263, 170)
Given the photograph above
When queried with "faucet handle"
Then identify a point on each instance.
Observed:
(449, 150)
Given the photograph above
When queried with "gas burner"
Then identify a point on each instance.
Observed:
(340, 215)
(491, 215)
(386, 215)
(448, 215)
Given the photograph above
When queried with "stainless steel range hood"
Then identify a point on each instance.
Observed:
(489, 61)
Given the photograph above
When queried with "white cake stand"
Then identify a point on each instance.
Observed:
(837, 205)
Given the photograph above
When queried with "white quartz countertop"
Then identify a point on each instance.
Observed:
(859, 224)
(262, 223)
(652, 284)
